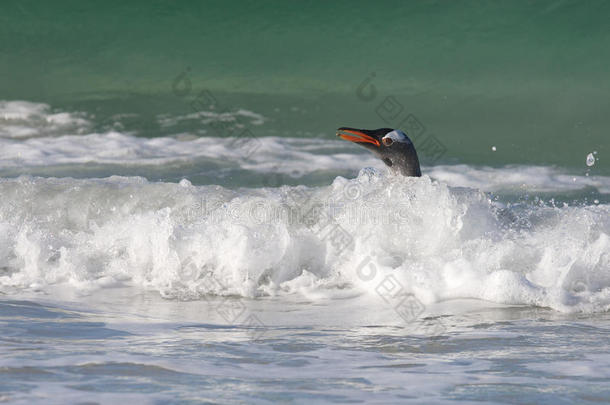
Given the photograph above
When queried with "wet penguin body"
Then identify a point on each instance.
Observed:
(392, 146)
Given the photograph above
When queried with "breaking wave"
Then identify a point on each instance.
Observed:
(435, 241)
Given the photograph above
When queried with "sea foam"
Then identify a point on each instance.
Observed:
(24, 119)
(294, 157)
(431, 240)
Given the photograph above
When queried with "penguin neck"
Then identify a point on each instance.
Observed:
(405, 165)
(411, 166)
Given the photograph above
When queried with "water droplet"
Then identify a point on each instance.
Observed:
(493, 148)
(590, 159)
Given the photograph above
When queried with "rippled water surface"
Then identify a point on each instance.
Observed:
(151, 350)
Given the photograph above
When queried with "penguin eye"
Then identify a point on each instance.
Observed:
(387, 141)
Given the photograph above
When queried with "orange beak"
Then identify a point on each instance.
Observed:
(356, 136)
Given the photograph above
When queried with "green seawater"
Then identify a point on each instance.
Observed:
(529, 77)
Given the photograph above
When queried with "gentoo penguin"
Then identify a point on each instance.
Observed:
(390, 145)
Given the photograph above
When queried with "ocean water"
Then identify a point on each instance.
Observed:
(180, 224)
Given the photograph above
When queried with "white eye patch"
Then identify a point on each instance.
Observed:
(397, 136)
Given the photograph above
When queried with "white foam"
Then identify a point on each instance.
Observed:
(209, 117)
(519, 178)
(293, 156)
(33, 135)
(24, 119)
(431, 240)
(185, 241)
(265, 154)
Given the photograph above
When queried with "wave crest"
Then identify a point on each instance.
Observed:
(435, 241)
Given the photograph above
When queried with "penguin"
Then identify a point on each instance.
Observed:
(392, 146)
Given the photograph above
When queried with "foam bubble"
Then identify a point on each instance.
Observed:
(517, 177)
(433, 241)
(238, 118)
(24, 119)
(36, 139)
(296, 157)
(266, 154)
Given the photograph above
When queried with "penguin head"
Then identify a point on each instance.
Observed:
(392, 146)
